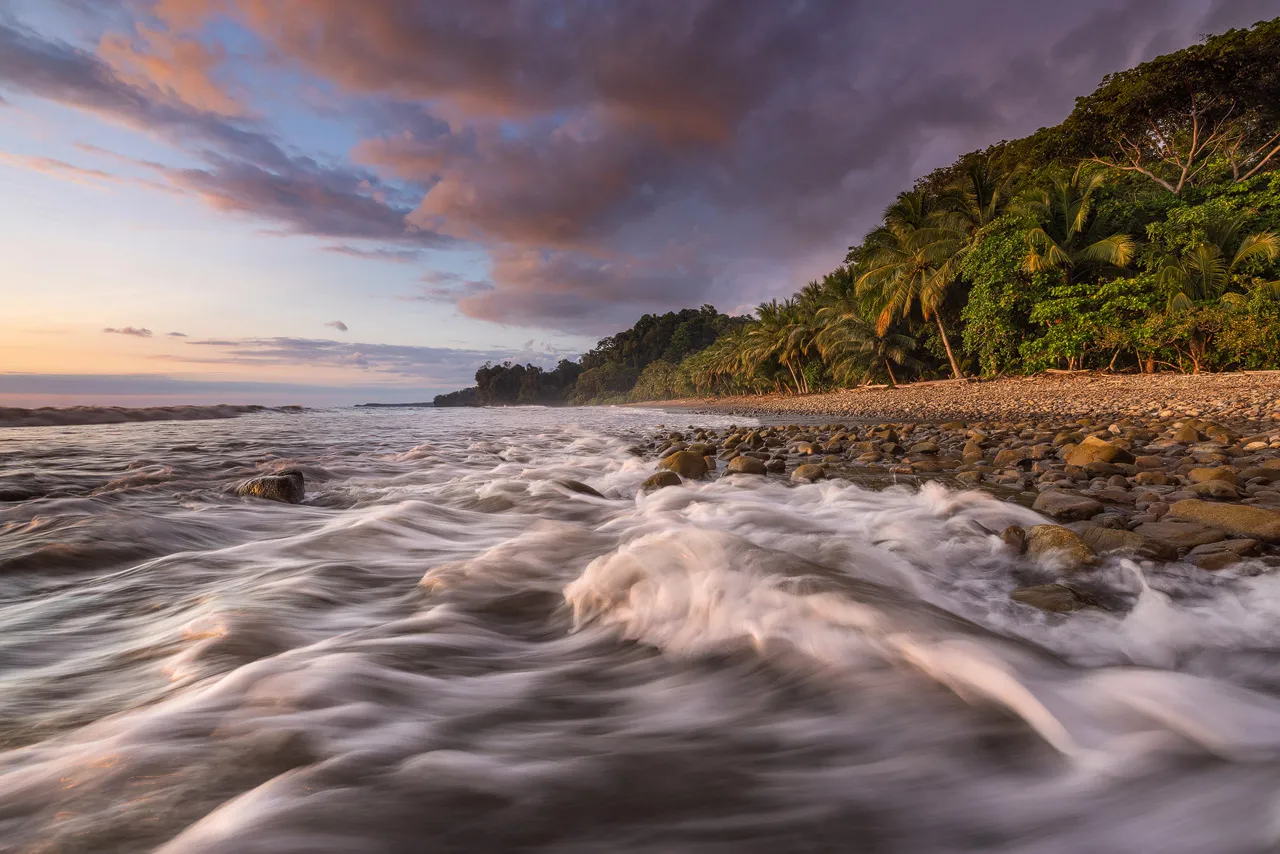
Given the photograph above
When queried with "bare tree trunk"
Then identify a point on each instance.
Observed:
(893, 382)
(951, 357)
(794, 378)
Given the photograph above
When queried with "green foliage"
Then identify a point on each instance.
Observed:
(1001, 296)
(659, 381)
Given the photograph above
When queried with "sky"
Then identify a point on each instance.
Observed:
(329, 202)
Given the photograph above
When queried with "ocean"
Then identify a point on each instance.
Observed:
(445, 648)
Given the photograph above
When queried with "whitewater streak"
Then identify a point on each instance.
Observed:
(447, 649)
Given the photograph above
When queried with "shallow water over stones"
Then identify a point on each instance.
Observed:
(480, 632)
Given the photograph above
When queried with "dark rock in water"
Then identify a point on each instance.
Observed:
(1255, 522)
(1066, 505)
(659, 480)
(580, 487)
(685, 464)
(1179, 533)
(746, 465)
(1015, 537)
(776, 466)
(286, 486)
(808, 474)
(1061, 544)
(1054, 598)
(1103, 540)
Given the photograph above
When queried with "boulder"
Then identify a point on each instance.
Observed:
(1254, 522)
(1054, 598)
(1066, 505)
(659, 480)
(1260, 473)
(776, 466)
(1060, 543)
(1180, 533)
(1205, 474)
(808, 474)
(1187, 435)
(1095, 450)
(580, 488)
(1010, 458)
(1242, 547)
(746, 465)
(1104, 540)
(1015, 538)
(685, 464)
(286, 486)
(1215, 489)
(1214, 561)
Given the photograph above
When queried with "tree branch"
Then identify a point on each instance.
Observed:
(1264, 160)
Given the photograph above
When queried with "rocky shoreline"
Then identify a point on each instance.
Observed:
(1237, 399)
(1191, 492)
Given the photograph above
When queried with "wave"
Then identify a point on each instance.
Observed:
(449, 649)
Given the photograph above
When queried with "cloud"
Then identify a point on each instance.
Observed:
(181, 70)
(338, 325)
(376, 253)
(177, 335)
(59, 169)
(244, 171)
(605, 159)
(438, 367)
(136, 332)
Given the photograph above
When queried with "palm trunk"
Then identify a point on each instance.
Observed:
(955, 368)
(794, 378)
(893, 383)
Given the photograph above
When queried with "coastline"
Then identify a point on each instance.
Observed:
(1237, 398)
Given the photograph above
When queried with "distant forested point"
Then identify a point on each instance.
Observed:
(640, 363)
(1142, 234)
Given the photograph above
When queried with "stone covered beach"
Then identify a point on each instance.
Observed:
(1175, 470)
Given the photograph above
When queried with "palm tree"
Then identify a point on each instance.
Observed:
(979, 195)
(910, 262)
(1065, 237)
(782, 332)
(855, 349)
(1207, 270)
(1205, 273)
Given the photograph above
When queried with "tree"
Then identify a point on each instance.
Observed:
(1191, 116)
(856, 350)
(1207, 270)
(784, 333)
(1064, 235)
(910, 263)
(1203, 274)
